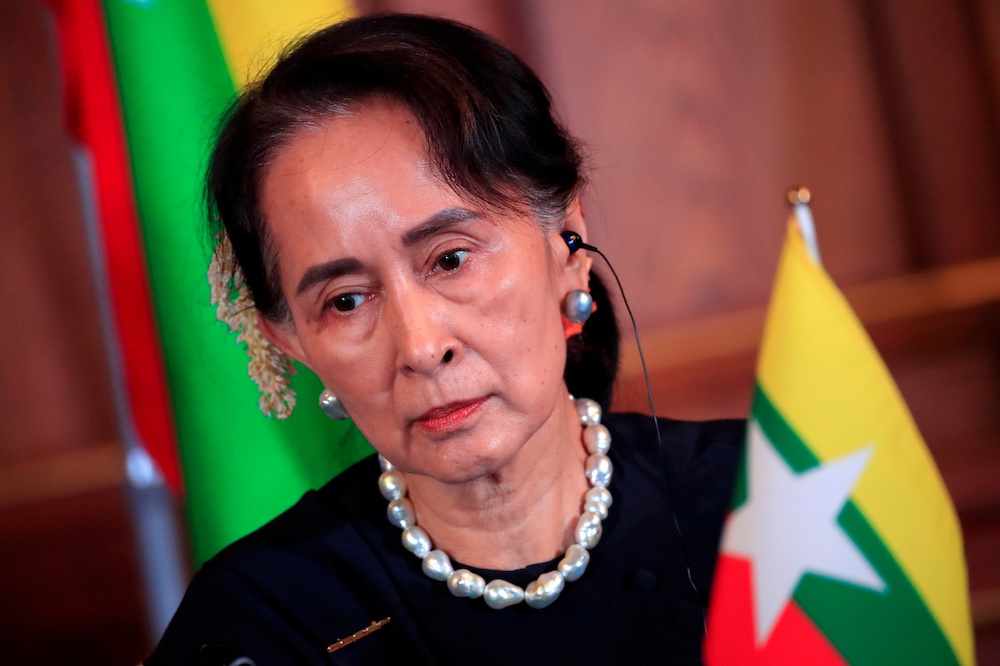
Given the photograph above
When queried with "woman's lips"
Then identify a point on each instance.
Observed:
(451, 416)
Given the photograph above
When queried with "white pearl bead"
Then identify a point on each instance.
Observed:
(574, 563)
(599, 494)
(589, 411)
(385, 464)
(437, 565)
(597, 439)
(464, 583)
(400, 513)
(598, 508)
(542, 592)
(392, 484)
(588, 529)
(416, 541)
(598, 470)
(597, 500)
(500, 594)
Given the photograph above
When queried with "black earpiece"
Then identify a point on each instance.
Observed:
(574, 242)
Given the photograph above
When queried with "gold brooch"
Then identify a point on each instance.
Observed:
(357, 635)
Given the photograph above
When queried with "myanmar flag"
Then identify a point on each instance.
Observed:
(842, 546)
(146, 83)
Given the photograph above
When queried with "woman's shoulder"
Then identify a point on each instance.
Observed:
(284, 591)
(697, 458)
(692, 466)
(682, 442)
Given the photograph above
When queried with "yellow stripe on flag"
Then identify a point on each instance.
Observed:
(823, 374)
(254, 32)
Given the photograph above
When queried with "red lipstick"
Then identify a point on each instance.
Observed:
(451, 416)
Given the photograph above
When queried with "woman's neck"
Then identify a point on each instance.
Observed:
(520, 515)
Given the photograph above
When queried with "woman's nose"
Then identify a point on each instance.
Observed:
(424, 336)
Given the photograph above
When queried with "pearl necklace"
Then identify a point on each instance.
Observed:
(499, 593)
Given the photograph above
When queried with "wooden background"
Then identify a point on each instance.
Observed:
(698, 115)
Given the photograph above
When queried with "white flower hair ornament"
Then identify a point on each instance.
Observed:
(268, 366)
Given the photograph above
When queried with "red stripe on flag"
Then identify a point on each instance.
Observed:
(94, 116)
(794, 639)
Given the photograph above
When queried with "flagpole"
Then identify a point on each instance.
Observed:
(800, 197)
(153, 510)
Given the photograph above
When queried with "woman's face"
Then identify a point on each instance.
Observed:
(436, 323)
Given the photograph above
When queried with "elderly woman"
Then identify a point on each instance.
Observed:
(399, 201)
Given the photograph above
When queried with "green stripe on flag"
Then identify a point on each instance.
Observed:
(798, 456)
(867, 627)
(241, 468)
(901, 629)
(740, 487)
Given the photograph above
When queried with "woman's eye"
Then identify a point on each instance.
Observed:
(452, 260)
(346, 302)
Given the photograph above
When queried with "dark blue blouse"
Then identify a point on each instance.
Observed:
(332, 564)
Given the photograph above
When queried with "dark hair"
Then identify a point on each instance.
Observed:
(486, 118)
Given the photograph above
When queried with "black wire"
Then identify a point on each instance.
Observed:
(635, 331)
(656, 423)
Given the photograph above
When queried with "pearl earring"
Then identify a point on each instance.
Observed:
(578, 306)
(332, 406)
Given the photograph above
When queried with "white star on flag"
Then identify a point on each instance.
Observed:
(788, 527)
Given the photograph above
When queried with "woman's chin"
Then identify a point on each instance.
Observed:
(465, 457)
(479, 439)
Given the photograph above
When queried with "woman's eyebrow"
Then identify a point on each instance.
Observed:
(326, 271)
(444, 218)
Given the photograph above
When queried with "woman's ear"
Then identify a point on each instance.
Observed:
(282, 336)
(577, 263)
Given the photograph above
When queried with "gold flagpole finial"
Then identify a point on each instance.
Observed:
(798, 195)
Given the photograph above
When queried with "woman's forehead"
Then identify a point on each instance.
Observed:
(375, 133)
(367, 166)
(362, 183)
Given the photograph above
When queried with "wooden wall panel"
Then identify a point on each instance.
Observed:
(53, 388)
(700, 115)
(68, 583)
(934, 88)
(69, 589)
